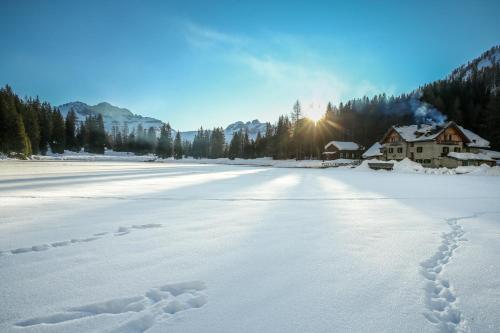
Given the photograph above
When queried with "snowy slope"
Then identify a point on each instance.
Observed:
(112, 115)
(201, 248)
(487, 60)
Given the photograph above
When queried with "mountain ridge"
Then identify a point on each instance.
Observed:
(112, 115)
(118, 116)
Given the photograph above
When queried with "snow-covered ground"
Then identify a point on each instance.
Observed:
(189, 247)
(405, 166)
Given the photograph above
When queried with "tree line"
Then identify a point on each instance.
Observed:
(470, 96)
(30, 127)
(33, 127)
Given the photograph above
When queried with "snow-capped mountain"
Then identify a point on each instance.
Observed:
(253, 127)
(112, 115)
(116, 116)
(485, 61)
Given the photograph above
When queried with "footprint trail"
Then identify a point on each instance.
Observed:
(441, 301)
(142, 312)
(121, 231)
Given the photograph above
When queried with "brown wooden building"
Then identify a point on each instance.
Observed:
(342, 150)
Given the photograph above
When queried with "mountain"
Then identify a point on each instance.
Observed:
(253, 127)
(470, 95)
(116, 116)
(112, 115)
(485, 61)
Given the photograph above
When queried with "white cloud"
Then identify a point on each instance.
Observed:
(288, 67)
(201, 36)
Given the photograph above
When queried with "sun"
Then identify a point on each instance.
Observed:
(313, 112)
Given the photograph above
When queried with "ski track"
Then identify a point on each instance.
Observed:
(441, 301)
(121, 231)
(142, 312)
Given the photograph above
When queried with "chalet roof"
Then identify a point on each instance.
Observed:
(429, 132)
(343, 145)
(424, 132)
(373, 151)
(475, 140)
(470, 156)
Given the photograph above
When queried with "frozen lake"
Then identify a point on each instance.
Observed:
(136, 247)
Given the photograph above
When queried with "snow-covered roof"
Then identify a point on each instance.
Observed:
(470, 156)
(429, 132)
(491, 153)
(343, 145)
(373, 151)
(424, 132)
(475, 140)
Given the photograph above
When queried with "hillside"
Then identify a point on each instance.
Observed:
(113, 115)
(485, 61)
(470, 95)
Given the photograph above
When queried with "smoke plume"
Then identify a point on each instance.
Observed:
(424, 113)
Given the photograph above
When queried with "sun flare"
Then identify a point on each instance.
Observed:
(314, 111)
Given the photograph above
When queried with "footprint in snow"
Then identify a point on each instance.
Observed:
(441, 301)
(121, 231)
(157, 304)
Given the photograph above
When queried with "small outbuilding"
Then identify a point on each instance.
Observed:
(468, 159)
(494, 155)
(342, 149)
(374, 152)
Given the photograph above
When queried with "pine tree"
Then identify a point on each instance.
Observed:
(178, 146)
(8, 120)
(151, 140)
(187, 148)
(30, 119)
(165, 147)
(217, 142)
(235, 145)
(100, 142)
(21, 143)
(296, 114)
(70, 129)
(45, 125)
(58, 140)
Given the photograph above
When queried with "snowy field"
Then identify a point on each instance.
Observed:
(167, 247)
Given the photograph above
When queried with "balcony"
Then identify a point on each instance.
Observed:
(449, 142)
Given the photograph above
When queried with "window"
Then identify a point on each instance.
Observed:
(427, 161)
(400, 150)
(465, 163)
(419, 161)
(391, 150)
(456, 149)
(419, 149)
(446, 150)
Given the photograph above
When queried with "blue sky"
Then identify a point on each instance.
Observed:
(211, 63)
